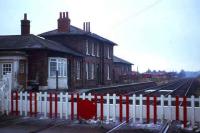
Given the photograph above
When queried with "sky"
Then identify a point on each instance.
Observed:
(152, 34)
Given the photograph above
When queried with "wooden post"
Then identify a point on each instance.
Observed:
(141, 109)
(21, 103)
(95, 101)
(134, 108)
(114, 107)
(67, 105)
(162, 107)
(108, 107)
(101, 101)
(192, 112)
(185, 111)
(155, 109)
(61, 105)
(127, 109)
(45, 104)
(26, 103)
(148, 109)
(56, 104)
(120, 108)
(170, 107)
(72, 107)
(177, 108)
(56, 79)
(35, 101)
(50, 105)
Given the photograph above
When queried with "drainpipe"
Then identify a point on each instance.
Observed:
(56, 80)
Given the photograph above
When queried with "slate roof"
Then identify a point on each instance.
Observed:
(119, 60)
(19, 42)
(77, 31)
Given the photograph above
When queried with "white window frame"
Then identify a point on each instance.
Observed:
(61, 66)
(108, 52)
(86, 70)
(92, 49)
(92, 71)
(108, 72)
(87, 47)
(98, 50)
(78, 70)
(6, 67)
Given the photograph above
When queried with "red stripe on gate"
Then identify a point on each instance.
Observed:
(120, 108)
(78, 106)
(95, 101)
(17, 112)
(148, 109)
(12, 104)
(50, 105)
(72, 107)
(127, 109)
(35, 101)
(155, 109)
(101, 101)
(177, 108)
(185, 111)
(56, 105)
(30, 103)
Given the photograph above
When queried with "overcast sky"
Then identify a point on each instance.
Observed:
(154, 34)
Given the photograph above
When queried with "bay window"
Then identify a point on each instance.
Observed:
(57, 64)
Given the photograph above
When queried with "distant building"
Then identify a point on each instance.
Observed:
(122, 70)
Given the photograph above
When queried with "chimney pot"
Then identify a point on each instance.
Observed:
(25, 16)
(84, 26)
(60, 14)
(87, 26)
(66, 14)
(63, 14)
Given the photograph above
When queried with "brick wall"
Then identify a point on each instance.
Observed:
(38, 66)
(78, 43)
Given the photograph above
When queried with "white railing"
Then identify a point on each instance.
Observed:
(115, 108)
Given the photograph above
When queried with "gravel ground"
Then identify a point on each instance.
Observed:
(36, 125)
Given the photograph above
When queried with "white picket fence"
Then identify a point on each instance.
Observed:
(5, 90)
(137, 107)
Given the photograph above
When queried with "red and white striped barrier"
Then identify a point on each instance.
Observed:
(107, 108)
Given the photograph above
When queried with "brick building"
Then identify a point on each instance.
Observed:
(31, 58)
(95, 68)
(80, 58)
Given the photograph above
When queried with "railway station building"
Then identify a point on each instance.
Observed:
(78, 57)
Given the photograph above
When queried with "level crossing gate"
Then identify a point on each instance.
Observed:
(108, 108)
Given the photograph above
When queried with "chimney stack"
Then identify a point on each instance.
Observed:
(25, 26)
(86, 26)
(63, 22)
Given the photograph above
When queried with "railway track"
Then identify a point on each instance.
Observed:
(179, 87)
